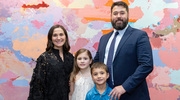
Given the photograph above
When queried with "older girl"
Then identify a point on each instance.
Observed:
(80, 80)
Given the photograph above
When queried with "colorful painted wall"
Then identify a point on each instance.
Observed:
(24, 25)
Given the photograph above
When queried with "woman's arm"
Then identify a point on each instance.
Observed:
(38, 81)
(71, 89)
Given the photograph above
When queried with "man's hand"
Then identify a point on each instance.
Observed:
(117, 92)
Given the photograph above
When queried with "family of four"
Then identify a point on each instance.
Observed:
(117, 72)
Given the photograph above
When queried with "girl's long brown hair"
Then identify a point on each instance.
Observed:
(76, 69)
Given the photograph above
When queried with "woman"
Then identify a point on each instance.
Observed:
(50, 79)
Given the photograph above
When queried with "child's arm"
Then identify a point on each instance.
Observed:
(87, 96)
(71, 89)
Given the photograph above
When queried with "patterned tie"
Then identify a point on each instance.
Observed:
(110, 60)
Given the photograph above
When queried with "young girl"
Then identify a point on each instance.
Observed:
(80, 79)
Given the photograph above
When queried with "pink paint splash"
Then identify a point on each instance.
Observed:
(66, 2)
(168, 94)
(103, 13)
(161, 76)
(159, 14)
(171, 56)
(37, 24)
(95, 46)
(8, 75)
(149, 31)
(150, 77)
(80, 43)
(155, 43)
(166, 21)
(11, 92)
(90, 12)
(99, 3)
(176, 11)
(61, 23)
(135, 13)
(131, 1)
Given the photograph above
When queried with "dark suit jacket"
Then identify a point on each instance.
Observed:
(132, 63)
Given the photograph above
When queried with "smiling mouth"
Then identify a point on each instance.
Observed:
(59, 41)
(82, 64)
(119, 21)
(99, 80)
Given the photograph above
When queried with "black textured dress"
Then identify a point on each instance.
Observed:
(50, 79)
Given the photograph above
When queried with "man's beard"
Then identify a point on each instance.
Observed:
(121, 26)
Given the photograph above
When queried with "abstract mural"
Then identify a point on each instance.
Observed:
(24, 25)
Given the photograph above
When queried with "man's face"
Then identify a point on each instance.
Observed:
(119, 17)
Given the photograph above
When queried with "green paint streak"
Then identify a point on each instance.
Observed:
(9, 19)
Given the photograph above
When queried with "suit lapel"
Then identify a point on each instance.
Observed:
(123, 39)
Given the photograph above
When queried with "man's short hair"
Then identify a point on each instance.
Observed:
(120, 3)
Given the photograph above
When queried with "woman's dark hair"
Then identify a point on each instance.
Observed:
(120, 3)
(50, 45)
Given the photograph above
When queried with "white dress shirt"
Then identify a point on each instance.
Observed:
(118, 39)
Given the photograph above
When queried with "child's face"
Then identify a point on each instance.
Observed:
(99, 76)
(83, 60)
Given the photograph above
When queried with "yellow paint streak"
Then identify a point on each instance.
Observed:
(80, 4)
(59, 4)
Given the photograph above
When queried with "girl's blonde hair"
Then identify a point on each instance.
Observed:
(76, 69)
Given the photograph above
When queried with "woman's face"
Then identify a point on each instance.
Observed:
(58, 38)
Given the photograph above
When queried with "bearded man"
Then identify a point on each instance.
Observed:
(128, 54)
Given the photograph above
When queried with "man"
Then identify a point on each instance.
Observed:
(127, 53)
